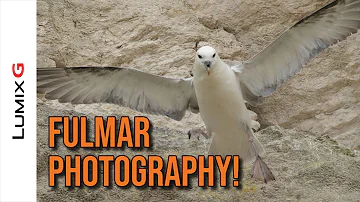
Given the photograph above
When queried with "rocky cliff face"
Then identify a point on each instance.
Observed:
(319, 106)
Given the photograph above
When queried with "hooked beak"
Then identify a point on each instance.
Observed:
(208, 70)
(207, 66)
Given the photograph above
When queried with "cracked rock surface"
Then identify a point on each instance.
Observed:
(314, 150)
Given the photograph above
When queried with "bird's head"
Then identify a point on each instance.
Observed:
(206, 57)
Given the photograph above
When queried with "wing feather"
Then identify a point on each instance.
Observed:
(122, 86)
(265, 72)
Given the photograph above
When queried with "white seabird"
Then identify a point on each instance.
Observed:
(216, 90)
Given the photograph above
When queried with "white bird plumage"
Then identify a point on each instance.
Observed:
(223, 111)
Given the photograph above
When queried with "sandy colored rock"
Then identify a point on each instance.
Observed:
(315, 157)
(159, 37)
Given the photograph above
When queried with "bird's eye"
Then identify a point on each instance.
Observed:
(200, 56)
(214, 55)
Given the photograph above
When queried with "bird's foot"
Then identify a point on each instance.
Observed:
(261, 171)
(255, 125)
(197, 133)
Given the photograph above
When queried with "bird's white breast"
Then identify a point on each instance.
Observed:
(221, 104)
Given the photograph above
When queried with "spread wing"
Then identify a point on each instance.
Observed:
(265, 72)
(123, 86)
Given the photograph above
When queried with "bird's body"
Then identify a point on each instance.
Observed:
(223, 111)
(216, 90)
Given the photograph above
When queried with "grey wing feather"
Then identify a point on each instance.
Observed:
(265, 72)
(127, 87)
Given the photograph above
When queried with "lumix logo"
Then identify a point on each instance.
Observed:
(18, 72)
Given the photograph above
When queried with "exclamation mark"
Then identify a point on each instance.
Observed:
(236, 171)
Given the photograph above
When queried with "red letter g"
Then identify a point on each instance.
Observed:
(19, 66)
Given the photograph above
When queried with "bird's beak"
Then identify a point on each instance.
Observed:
(208, 70)
(207, 66)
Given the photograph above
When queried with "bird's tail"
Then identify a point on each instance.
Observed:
(237, 144)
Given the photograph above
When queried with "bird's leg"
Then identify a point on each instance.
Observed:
(260, 170)
(197, 132)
